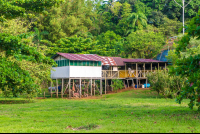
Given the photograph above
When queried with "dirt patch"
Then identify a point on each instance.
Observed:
(40, 97)
(86, 127)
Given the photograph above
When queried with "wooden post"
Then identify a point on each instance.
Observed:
(124, 84)
(137, 82)
(146, 82)
(105, 86)
(111, 71)
(158, 66)
(91, 87)
(62, 88)
(132, 83)
(165, 66)
(57, 88)
(73, 88)
(127, 84)
(80, 89)
(100, 86)
(111, 84)
(136, 70)
(94, 87)
(51, 89)
(69, 88)
(144, 69)
(151, 67)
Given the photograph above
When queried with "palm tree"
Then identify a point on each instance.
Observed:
(136, 21)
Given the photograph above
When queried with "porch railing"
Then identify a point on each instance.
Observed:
(124, 73)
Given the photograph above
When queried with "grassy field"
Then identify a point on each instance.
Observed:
(132, 111)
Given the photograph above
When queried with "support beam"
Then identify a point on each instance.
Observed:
(137, 82)
(127, 84)
(105, 86)
(91, 87)
(80, 88)
(165, 66)
(51, 88)
(136, 70)
(73, 88)
(57, 88)
(101, 87)
(146, 83)
(62, 88)
(151, 67)
(111, 84)
(124, 84)
(94, 87)
(69, 88)
(132, 83)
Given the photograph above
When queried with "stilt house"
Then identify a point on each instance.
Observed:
(92, 67)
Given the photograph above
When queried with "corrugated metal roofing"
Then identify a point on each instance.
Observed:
(111, 61)
(142, 60)
(85, 57)
(119, 61)
(108, 61)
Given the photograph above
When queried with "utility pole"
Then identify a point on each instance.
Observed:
(183, 2)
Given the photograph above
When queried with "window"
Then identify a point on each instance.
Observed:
(99, 63)
(95, 63)
(62, 63)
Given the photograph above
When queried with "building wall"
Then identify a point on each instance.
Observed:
(60, 72)
(85, 71)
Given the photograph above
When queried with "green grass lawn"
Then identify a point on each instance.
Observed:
(131, 111)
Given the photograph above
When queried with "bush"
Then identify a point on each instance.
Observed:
(164, 84)
(117, 84)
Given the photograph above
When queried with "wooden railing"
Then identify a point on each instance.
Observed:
(108, 74)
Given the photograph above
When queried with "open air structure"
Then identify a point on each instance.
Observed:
(79, 72)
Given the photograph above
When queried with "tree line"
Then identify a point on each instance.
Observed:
(34, 30)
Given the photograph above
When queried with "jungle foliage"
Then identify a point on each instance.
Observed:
(31, 31)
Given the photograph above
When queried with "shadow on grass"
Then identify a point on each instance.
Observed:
(15, 101)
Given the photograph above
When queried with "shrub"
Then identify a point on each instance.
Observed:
(117, 84)
(164, 84)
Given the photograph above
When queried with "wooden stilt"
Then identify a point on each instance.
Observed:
(146, 82)
(73, 87)
(101, 87)
(124, 84)
(105, 86)
(80, 89)
(136, 70)
(57, 88)
(111, 84)
(151, 67)
(69, 88)
(137, 82)
(132, 83)
(91, 88)
(62, 88)
(94, 87)
(51, 88)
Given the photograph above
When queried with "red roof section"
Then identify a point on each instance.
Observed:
(110, 61)
(142, 60)
(85, 57)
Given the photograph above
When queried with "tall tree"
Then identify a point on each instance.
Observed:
(13, 48)
(137, 21)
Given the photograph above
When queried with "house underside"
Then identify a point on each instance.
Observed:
(83, 75)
